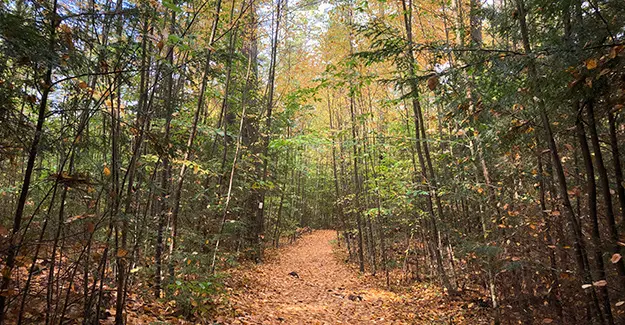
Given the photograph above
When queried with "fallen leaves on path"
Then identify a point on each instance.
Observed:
(324, 290)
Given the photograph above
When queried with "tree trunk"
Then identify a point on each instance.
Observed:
(605, 192)
(259, 213)
(13, 248)
(591, 190)
(166, 168)
(420, 137)
(618, 170)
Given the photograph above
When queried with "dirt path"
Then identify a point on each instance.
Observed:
(328, 292)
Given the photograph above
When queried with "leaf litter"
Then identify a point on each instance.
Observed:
(328, 291)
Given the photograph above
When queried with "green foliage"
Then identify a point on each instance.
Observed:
(197, 298)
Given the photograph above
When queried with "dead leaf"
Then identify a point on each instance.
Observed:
(90, 227)
(615, 258)
(600, 283)
(433, 82)
(78, 217)
(615, 51)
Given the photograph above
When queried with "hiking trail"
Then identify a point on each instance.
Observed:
(324, 290)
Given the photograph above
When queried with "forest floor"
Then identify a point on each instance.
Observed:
(328, 291)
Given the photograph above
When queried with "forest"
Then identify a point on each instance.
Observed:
(407, 161)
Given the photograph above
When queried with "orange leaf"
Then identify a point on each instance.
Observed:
(90, 227)
(615, 258)
(591, 63)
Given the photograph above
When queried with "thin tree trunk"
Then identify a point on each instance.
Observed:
(618, 170)
(591, 190)
(189, 144)
(166, 170)
(13, 248)
(605, 192)
(557, 163)
(555, 293)
(244, 103)
(420, 136)
(259, 217)
(578, 240)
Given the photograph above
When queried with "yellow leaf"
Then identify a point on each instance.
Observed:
(106, 171)
(591, 63)
(6, 272)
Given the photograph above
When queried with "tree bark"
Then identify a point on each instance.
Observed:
(605, 192)
(13, 248)
(591, 190)
(420, 137)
